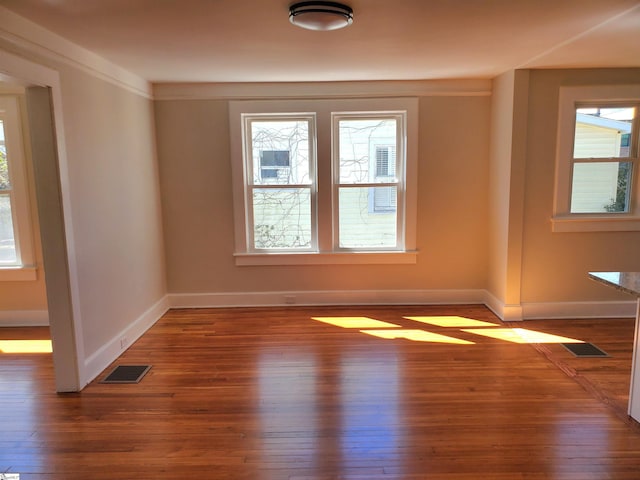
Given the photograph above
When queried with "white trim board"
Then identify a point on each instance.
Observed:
(24, 318)
(321, 90)
(111, 350)
(560, 310)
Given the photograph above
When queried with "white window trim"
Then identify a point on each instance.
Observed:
(562, 220)
(325, 253)
(24, 268)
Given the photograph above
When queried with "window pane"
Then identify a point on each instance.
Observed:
(603, 132)
(7, 239)
(367, 147)
(361, 226)
(600, 187)
(282, 218)
(4, 167)
(280, 152)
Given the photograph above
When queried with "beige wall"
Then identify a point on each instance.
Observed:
(193, 146)
(115, 203)
(555, 265)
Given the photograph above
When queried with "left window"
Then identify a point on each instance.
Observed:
(16, 253)
(280, 181)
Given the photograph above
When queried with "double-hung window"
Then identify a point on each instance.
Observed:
(279, 163)
(324, 181)
(597, 165)
(16, 251)
(368, 179)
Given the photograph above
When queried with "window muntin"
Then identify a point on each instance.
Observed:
(368, 180)
(280, 194)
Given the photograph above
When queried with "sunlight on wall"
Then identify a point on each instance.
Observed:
(25, 346)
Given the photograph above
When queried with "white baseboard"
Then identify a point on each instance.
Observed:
(509, 313)
(561, 310)
(24, 318)
(326, 297)
(101, 359)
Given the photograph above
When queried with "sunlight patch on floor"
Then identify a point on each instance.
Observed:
(451, 321)
(355, 322)
(25, 346)
(520, 335)
(391, 331)
(416, 336)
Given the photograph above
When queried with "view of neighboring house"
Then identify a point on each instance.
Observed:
(601, 185)
(283, 167)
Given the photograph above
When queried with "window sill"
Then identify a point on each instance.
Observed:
(333, 258)
(593, 223)
(18, 274)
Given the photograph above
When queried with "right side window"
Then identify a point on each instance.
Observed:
(597, 162)
(604, 158)
(369, 183)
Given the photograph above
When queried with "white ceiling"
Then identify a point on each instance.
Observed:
(253, 41)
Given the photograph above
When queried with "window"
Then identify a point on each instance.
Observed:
(279, 166)
(319, 181)
(16, 254)
(369, 179)
(597, 164)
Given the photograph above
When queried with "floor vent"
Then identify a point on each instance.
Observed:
(127, 374)
(584, 350)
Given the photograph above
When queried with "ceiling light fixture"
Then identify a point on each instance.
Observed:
(320, 15)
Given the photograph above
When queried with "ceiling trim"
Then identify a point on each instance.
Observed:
(248, 91)
(34, 39)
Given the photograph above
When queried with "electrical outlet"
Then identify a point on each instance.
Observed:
(289, 299)
(123, 343)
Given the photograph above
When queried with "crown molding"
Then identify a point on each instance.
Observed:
(30, 37)
(355, 89)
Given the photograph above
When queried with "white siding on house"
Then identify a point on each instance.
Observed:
(594, 184)
(359, 226)
(596, 142)
(282, 218)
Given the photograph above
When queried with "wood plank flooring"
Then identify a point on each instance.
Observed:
(272, 393)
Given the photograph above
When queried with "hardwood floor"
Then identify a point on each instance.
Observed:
(273, 393)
